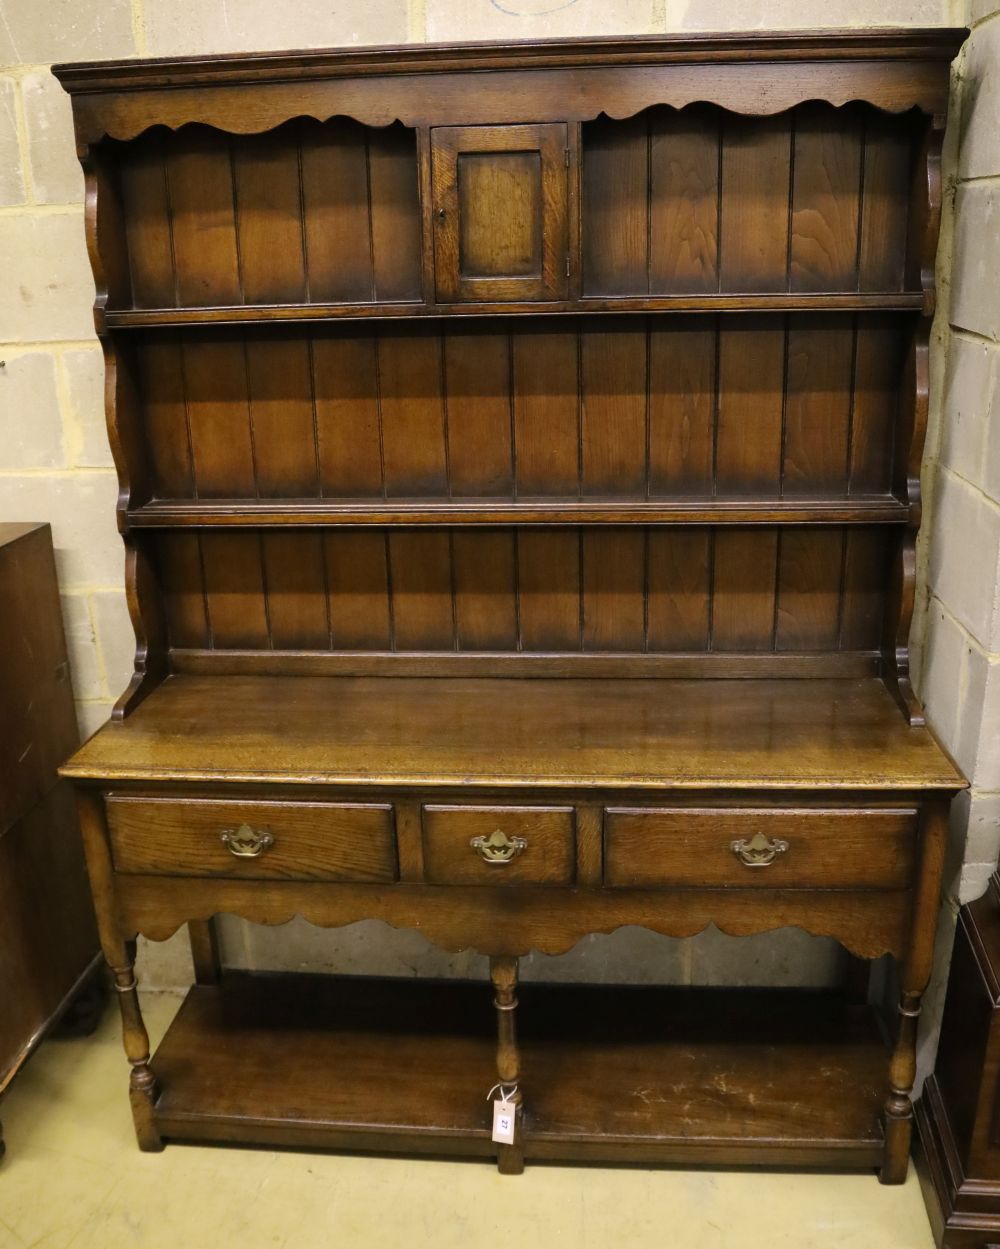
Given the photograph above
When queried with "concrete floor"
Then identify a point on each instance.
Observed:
(73, 1177)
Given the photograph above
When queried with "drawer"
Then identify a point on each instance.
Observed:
(514, 845)
(816, 849)
(280, 841)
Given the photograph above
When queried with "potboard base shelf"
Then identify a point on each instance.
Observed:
(668, 1076)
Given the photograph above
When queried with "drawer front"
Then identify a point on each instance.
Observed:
(513, 845)
(264, 840)
(775, 849)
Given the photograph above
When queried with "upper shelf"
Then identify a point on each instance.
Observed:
(672, 211)
(262, 314)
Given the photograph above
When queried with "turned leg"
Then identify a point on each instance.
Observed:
(142, 1082)
(916, 971)
(204, 939)
(503, 974)
(119, 953)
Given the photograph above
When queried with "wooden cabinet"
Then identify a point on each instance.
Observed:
(958, 1114)
(500, 207)
(521, 453)
(48, 940)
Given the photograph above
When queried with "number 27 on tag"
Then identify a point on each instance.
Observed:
(503, 1121)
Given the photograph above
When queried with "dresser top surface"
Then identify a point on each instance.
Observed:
(504, 732)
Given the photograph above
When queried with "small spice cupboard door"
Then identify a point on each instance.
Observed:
(500, 209)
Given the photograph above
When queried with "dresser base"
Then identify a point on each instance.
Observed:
(783, 1078)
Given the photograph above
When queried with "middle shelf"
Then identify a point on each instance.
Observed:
(263, 513)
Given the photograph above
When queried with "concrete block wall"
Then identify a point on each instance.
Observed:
(55, 464)
(957, 630)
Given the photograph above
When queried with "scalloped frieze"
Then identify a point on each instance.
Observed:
(868, 927)
(516, 96)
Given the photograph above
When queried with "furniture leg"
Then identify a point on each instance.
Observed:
(119, 954)
(204, 938)
(916, 971)
(503, 975)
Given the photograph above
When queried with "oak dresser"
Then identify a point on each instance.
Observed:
(519, 451)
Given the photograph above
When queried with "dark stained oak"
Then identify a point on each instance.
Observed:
(519, 452)
(957, 1154)
(48, 941)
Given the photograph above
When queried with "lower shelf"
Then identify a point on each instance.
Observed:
(780, 1077)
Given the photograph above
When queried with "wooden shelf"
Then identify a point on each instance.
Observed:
(633, 733)
(262, 513)
(259, 314)
(619, 1074)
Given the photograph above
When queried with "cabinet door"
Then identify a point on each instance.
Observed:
(500, 212)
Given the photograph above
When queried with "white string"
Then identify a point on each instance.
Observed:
(504, 1097)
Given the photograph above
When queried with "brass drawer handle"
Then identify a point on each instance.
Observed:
(498, 847)
(759, 851)
(246, 842)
